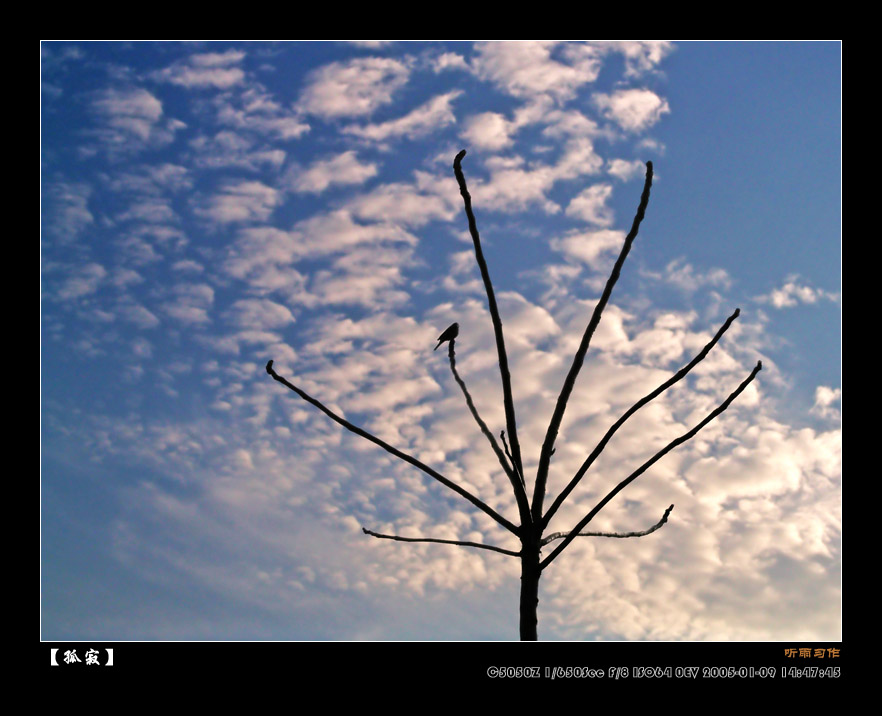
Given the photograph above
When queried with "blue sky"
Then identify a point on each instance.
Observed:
(209, 206)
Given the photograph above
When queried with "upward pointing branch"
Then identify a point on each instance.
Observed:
(649, 463)
(633, 409)
(557, 417)
(510, 422)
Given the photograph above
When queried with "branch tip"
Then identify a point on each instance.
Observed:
(620, 535)
(269, 367)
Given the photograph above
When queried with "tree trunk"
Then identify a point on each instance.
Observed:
(529, 589)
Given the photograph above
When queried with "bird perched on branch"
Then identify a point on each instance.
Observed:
(449, 334)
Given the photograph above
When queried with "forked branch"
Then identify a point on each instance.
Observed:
(508, 455)
(560, 535)
(679, 375)
(649, 463)
(395, 451)
(491, 547)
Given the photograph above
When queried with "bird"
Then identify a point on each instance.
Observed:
(449, 334)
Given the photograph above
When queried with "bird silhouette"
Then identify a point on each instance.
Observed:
(449, 334)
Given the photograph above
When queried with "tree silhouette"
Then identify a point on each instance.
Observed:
(532, 521)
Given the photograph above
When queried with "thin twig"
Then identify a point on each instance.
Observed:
(649, 463)
(395, 451)
(579, 358)
(513, 476)
(639, 404)
(510, 422)
(621, 535)
(442, 541)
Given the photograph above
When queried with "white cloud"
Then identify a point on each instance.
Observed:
(368, 276)
(449, 61)
(634, 110)
(258, 314)
(652, 145)
(240, 202)
(513, 186)
(494, 131)
(344, 168)
(624, 169)
(793, 292)
(564, 123)
(428, 117)
(131, 121)
(142, 348)
(366, 288)
(641, 56)
(665, 341)
(188, 265)
(488, 130)
(263, 257)
(190, 303)
(254, 110)
(578, 159)
(589, 246)
(230, 149)
(590, 205)
(137, 314)
(371, 44)
(124, 277)
(266, 258)
(70, 213)
(825, 398)
(684, 276)
(528, 69)
(526, 324)
(133, 112)
(154, 210)
(407, 204)
(137, 250)
(152, 180)
(217, 59)
(82, 281)
(336, 231)
(212, 69)
(354, 88)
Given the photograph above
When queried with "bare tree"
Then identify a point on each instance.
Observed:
(532, 520)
